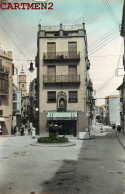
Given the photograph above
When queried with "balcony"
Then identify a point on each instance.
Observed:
(63, 27)
(66, 79)
(61, 56)
(4, 70)
(3, 92)
(3, 84)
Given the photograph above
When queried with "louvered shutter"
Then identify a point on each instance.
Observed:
(51, 50)
(72, 49)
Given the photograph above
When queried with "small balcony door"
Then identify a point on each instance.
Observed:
(51, 50)
(72, 50)
(72, 73)
(51, 73)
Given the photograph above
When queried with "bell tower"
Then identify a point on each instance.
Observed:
(22, 82)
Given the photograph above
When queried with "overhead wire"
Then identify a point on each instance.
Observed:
(14, 42)
(12, 29)
(110, 11)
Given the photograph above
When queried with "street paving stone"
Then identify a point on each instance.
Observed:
(95, 166)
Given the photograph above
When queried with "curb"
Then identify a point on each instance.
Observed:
(53, 144)
(120, 141)
(7, 136)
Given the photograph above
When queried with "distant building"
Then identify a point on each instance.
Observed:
(22, 82)
(122, 107)
(6, 91)
(98, 113)
(32, 98)
(25, 109)
(112, 104)
(17, 107)
(64, 93)
(103, 113)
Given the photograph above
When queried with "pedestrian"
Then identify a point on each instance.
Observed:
(15, 130)
(29, 131)
(101, 129)
(86, 129)
(119, 128)
(0, 129)
(22, 131)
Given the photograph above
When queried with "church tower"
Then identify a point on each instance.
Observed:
(22, 82)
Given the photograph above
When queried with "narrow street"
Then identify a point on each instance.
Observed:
(95, 166)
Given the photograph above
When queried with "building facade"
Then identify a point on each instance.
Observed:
(17, 106)
(33, 109)
(6, 91)
(25, 109)
(64, 88)
(112, 103)
(123, 84)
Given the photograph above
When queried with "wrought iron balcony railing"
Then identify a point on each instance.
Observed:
(48, 79)
(73, 55)
(4, 70)
(4, 91)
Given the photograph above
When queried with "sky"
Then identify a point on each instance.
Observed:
(18, 33)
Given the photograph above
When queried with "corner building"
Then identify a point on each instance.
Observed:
(63, 83)
(6, 91)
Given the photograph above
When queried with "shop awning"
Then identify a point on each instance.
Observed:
(62, 116)
(2, 119)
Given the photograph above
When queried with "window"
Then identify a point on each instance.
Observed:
(51, 72)
(72, 70)
(72, 49)
(0, 102)
(73, 97)
(51, 50)
(14, 106)
(51, 97)
(1, 113)
(22, 85)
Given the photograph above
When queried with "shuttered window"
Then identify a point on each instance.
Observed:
(1, 113)
(51, 70)
(72, 69)
(51, 50)
(14, 106)
(73, 96)
(51, 74)
(72, 72)
(51, 97)
(72, 49)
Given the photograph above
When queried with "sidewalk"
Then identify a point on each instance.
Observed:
(121, 138)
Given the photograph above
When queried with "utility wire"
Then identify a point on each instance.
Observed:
(102, 39)
(110, 11)
(96, 49)
(14, 42)
(12, 29)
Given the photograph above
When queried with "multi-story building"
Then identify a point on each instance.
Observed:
(17, 107)
(25, 109)
(123, 84)
(102, 113)
(32, 98)
(64, 89)
(22, 82)
(112, 103)
(122, 106)
(6, 91)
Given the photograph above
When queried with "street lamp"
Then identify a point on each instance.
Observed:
(31, 69)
